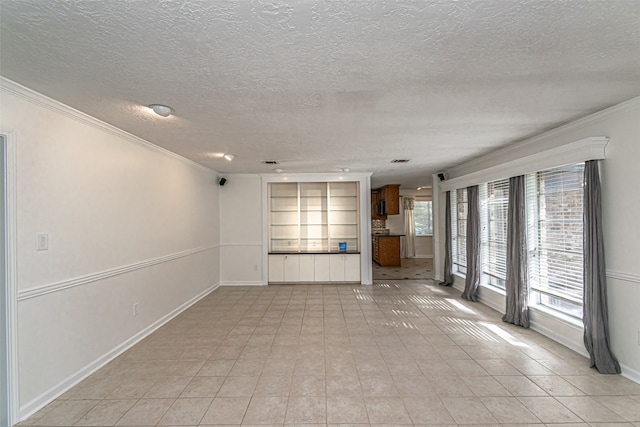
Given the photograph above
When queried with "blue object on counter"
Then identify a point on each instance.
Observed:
(342, 246)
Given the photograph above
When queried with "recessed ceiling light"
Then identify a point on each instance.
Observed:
(345, 169)
(229, 157)
(161, 110)
(278, 170)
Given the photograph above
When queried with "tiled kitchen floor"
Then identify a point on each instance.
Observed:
(396, 353)
(411, 269)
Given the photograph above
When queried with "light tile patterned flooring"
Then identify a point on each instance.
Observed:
(396, 353)
(410, 269)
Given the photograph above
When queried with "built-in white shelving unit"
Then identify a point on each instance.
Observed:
(313, 217)
(306, 218)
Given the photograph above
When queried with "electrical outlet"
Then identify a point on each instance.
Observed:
(135, 309)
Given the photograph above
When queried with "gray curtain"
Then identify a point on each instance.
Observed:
(517, 309)
(448, 265)
(595, 316)
(472, 281)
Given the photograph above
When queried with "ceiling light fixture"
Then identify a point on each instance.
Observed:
(228, 157)
(345, 169)
(278, 170)
(161, 110)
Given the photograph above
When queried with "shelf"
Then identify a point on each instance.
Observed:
(313, 217)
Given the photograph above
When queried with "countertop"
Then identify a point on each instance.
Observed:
(313, 252)
(388, 235)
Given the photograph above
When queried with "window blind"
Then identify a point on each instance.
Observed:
(495, 232)
(557, 257)
(460, 210)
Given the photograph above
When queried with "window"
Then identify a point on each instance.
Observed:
(555, 199)
(495, 205)
(423, 217)
(459, 233)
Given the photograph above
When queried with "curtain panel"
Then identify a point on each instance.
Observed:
(472, 281)
(448, 252)
(517, 301)
(595, 314)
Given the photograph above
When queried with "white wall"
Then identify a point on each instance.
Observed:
(127, 223)
(620, 181)
(241, 213)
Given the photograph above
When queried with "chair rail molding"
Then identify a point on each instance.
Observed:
(101, 275)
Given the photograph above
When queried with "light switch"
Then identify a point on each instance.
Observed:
(42, 241)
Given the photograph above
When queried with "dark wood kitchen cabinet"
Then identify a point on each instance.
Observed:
(386, 250)
(390, 194)
(375, 198)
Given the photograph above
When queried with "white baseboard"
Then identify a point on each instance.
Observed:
(630, 373)
(54, 392)
(243, 283)
(550, 331)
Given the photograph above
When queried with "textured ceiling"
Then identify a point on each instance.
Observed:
(325, 85)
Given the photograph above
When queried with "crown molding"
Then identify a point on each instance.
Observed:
(51, 104)
(592, 148)
(555, 132)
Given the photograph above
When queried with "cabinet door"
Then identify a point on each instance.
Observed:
(291, 268)
(336, 268)
(307, 268)
(322, 266)
(276, 268)
(352, 268)
(392, 199)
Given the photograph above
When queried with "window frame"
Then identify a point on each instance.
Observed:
(494, 205)
(429, 216)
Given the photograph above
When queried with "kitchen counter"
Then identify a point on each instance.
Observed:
(312, 252)
(387, 235)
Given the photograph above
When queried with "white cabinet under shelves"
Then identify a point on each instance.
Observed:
(284, 268)
(307, 268)
(344, 267)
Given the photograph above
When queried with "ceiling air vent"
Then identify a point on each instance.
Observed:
(269, 162)
(400, 161)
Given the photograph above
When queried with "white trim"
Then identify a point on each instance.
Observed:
(539, 318)
(630, 373)
(11, 273)
(558, 131)
(101, 275)
(621, 275)
(578, 151)
(243, 283)
(45, 398)
(53, 105)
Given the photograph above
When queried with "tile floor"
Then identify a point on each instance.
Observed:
(410, 269)
(396, 353)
